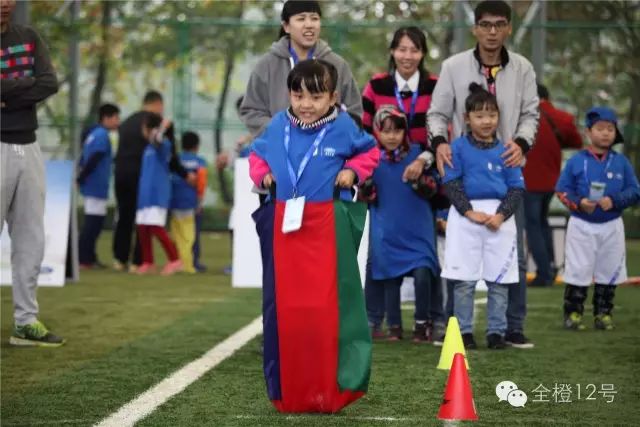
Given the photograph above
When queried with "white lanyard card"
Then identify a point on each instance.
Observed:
(293, 210)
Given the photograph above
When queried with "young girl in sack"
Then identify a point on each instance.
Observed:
(317, 349)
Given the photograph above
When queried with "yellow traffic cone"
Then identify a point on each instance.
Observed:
(452, 345)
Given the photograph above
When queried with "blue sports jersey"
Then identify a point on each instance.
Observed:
(96, 184)
(614, 170)
(402, 233)
(154, 186)
(483, 172)
(183, 195)
(342, 141)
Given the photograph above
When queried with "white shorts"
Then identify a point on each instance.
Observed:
(595, 253)
(95, 206)
(473, 252)
(153, 215)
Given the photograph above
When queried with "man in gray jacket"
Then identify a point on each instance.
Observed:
(512, 79)
(27, 78)
(267, 91)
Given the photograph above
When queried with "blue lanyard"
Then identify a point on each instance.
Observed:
(305, 160)
(603, 174)
(414, 100)
(294, 56)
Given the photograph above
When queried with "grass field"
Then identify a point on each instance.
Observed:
(126, 333)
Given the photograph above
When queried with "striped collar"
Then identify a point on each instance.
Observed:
(331, 115)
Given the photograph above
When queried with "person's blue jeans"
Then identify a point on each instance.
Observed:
(539, 240)
(463, 306)
(449, 306)
(517, 306)
(383, 296)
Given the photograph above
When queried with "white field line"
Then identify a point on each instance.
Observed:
(151, 399)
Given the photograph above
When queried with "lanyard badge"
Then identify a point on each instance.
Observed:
(294, 207)
(414, 101)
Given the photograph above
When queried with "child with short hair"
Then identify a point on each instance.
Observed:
(186, 203)
(481, 233)
(154, 194)
(596, 184)
(93, 179)
(401, 233)
(317, 349)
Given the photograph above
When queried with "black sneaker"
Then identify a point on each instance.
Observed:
(517, 340)
(420, 332)
(469, 342)
(437, 334)
(34, 334)
(495, 342)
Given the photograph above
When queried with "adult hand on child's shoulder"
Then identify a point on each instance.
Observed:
(587, 206)
(513, 155)
(346, 178)
(413, 171)
(443, 155)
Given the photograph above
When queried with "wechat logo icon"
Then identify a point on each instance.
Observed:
(508, 390)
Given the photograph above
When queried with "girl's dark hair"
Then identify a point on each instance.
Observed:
(397, 122)
(294, 7)
(480, 99)
(152, 120)
(418, 38)
(316, 75)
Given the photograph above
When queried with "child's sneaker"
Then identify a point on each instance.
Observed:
(172, 268)
(118, 266)
(437, 334)
(469, 342)
(34, 334)
(603, 322)
(146, 268)
(495, 342)
(574, 321)
(395, 333)
(421, 332)
(377, 333)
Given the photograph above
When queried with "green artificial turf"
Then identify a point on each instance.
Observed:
(126, 333)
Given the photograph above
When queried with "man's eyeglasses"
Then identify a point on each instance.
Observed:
(487, 26)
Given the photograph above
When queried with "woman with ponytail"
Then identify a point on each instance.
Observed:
(299, 39)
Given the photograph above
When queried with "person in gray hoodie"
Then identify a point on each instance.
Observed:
(511, 78)
(267, 92)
